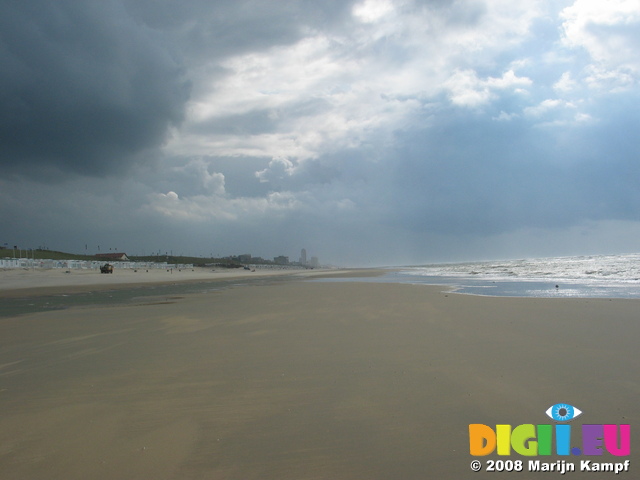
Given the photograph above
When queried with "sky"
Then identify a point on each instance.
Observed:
(369, 132)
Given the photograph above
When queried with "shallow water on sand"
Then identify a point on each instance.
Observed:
(165, 293)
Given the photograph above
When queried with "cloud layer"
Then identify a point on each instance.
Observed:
(368, 132)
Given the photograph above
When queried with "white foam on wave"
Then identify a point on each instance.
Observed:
(594, 269)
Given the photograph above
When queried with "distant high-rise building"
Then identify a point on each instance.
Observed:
(303, 257)
(281, 260)
(314, 263)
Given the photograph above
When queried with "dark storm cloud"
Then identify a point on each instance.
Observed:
(82, 86)
(221, 28)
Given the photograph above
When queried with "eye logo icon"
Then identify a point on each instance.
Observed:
(563, 412)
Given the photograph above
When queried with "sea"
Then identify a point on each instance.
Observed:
(590, 276)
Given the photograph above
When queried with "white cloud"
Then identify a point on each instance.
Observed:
(599, 78)
(371, 11)
(372, 77)
(508, 80)
(318, 71)
(505, 117)
(583, 118)
(278, 168)
(588, 24)
(546, 106)
(565, 84)
(468, 90)
(199, 208)
(609, 32)
(557, 113)
(198, 170)
(170, 205)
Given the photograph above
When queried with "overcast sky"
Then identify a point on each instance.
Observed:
(371, 132)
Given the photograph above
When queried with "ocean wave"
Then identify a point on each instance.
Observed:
(605, 269)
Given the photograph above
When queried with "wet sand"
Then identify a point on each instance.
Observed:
(303, 380)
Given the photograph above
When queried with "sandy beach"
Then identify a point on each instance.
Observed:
(302, 380)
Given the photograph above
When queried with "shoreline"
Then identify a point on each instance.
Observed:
(514, 288)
